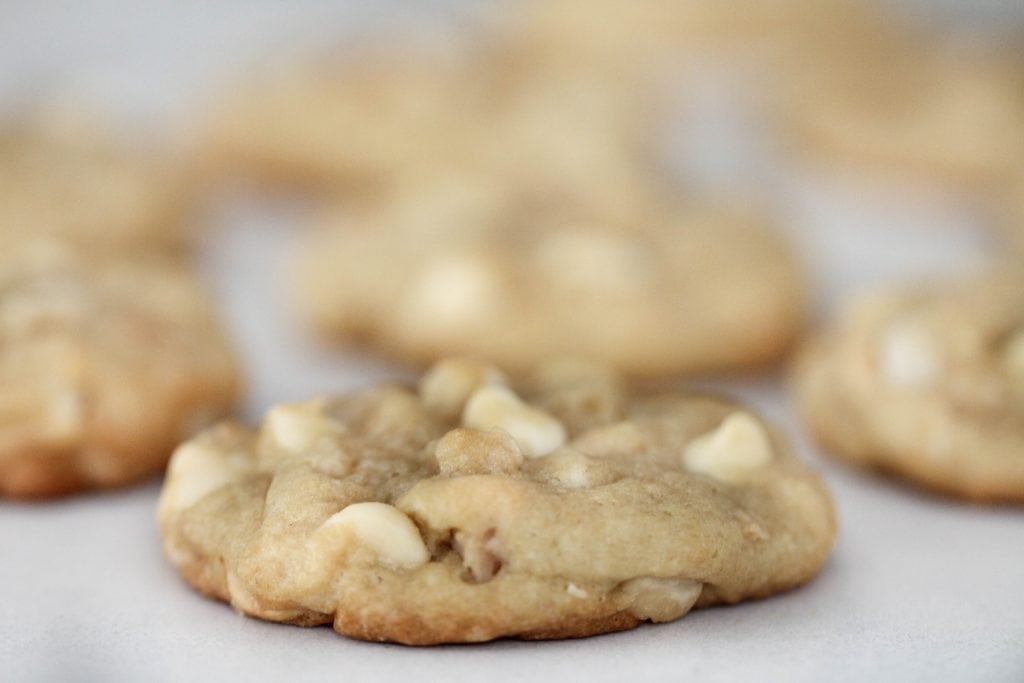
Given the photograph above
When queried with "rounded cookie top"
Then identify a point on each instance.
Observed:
(1008, 213)
(471, 268)
(926, 383)
(357, 126)
(345, 126)
(105, 365)
(938, 113)
(466, 510)
(63, 176)
(645, 33)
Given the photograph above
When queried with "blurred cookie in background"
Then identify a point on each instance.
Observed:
(106, 363)
(351, 124)
(631, 38)
(466, 265)
(559, 129)
(66, 174)
(1008, 213)
(926, 383)
(344, 124)
(923, 109)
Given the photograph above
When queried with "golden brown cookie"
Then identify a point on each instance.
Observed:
(462, 265)
(1008, 214)
(64, 176)
(627, 38)
(465, 510)
(356, 125)
(105, 366)
(933, 112)
(345, 125)
(926, 383)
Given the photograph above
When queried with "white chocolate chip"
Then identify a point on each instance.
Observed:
(67, 411)
(575, 591)
(907, 356)
(453, 290)
(296, 428)
(660, 599)
(536, 432)
(739, 447)
(481, 555)
(196, 470)
(449, 383)
(589, 260)
(382, 528)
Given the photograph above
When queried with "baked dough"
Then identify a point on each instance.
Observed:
(65, 176)
(926, 383)
(460, 265)
(105, 365)
(467, 510)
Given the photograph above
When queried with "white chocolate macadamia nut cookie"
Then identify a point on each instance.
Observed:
(62, 176)
(358, 127)
(647, 288)
(927, 384)
(106, 365)
(952, 117)
(641, 35)
(562, 507)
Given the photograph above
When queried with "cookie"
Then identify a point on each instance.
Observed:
(352, 126)
(935, 113)
(627, 38)
(466, 510)
(927, 384)
(342, 125)
(1008, 213)
(106, 364)
(62, 175)
(557, 128)
(461, 265)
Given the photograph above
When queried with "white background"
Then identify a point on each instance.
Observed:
(919, 588)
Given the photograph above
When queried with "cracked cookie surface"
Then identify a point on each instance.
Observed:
(928, 384)
(466, 510)
(105, 365)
